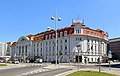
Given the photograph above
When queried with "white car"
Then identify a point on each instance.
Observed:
(15, 61)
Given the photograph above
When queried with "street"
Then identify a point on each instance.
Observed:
(50, 73)
(51, 69)
(17, 71)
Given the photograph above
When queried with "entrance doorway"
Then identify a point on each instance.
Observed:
(80, 58)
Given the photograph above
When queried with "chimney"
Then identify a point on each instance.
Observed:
(48, 28)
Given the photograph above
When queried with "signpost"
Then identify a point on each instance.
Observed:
(109, 56)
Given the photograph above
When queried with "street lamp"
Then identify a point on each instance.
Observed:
(78, 48)
(100, 46)
(56, 19)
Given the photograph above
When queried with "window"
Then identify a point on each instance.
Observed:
(37, 50)
(41, 50)
(100, 35)
(41, 44)
(78, 39)
(50, 36)
(46, 49)
(22, 49)
(50, 48)
(65, 33)
(78, 31)
(46, 36)
(53, 43)
(26, 49)
(88, 59)
(57, 47)
(49, 42)
(61, 41)
(92, 59)
(46, 43)
(88, 32)
(92, 33)
(34, 45)
(53, 48)
(61, 48)
(65, 53)
(65, 40)
(65, 47)
(57, 41)
(61, 34)
(88, 45)
(19, 49)
(53, 35)
(37, 44)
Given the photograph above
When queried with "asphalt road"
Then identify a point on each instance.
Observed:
(17, 71)
(50, 73)
(112, 65)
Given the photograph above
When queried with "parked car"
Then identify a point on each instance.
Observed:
(38, 60)
(54, 62)
(15, 61)
(2, 61)
(115, 60)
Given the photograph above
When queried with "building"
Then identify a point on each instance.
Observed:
(4, 51)
(114, 46)
(42, 45)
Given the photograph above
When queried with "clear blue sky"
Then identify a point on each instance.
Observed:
(22, 17)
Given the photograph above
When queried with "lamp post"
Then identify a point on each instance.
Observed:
(56, 19)
(100, 43)
(78, 48)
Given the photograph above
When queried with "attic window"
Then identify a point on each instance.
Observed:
(65, 33)
(22, 39)
(61, 34)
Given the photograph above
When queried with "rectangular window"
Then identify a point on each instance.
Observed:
(50, 36)
(61, 41)
(46, 43)
(65, 53)
(61, 48)
(19, 49)
(53, 43)
(88, 32)
(37, 44)
(65, 33)
(41, 50)
(22, 49)
(26, 49)
(65, 40)
(78, 31)
(41, 44)
(61, 34)
(49, 42)
(53, 36)
(65, 47)
(46, 36)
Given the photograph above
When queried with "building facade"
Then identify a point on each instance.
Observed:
(3, 49)
(114, 46)
(92, 43)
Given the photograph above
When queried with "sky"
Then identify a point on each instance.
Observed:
(23, 17)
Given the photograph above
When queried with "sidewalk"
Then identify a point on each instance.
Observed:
(9, 66)
(115, 71)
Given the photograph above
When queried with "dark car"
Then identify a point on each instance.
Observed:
(54, 62)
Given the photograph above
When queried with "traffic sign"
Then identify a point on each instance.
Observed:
(109, 52)
(78, 47)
